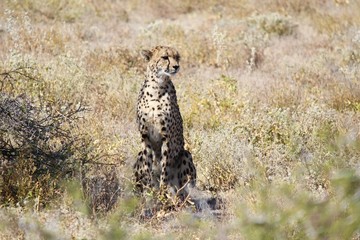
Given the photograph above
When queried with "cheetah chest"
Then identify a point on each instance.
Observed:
(155, 114)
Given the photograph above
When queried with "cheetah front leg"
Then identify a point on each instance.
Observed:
(144, 166)
(165, 164)
(142, 178)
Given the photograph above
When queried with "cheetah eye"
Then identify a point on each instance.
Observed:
(165, 57)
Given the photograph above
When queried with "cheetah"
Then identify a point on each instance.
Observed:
(163, 163)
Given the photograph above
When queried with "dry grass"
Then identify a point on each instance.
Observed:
(270, 96)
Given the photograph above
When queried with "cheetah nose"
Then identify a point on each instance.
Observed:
(176, 67)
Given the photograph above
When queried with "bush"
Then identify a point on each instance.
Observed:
(38, 147)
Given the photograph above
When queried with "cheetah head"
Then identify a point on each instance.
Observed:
(164, 61)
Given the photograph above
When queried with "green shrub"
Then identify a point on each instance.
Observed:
(299, 215)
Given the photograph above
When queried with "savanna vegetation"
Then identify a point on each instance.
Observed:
(270, 96)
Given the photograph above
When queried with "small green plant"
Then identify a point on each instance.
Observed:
(274, 24)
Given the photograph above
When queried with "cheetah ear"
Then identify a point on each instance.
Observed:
(146, 54)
